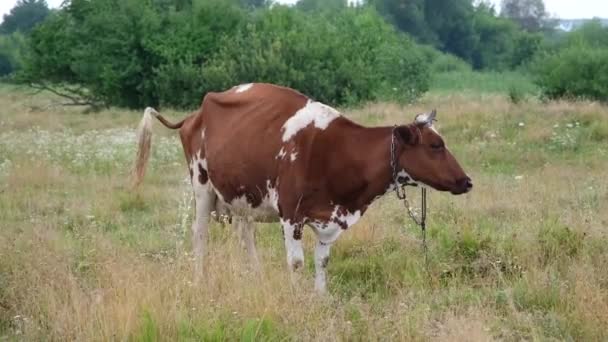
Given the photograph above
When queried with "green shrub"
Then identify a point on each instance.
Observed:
(516, 94)
(359, 57)
(135, 53)
(11, 51)
(593, 33)
(577, 72)
(449, 63)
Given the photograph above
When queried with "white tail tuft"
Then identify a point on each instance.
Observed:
(150, 112)
(144, 142)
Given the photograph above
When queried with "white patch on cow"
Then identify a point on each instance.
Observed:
(293, 156)
(243, 87)
(328, 232)
(194, 163)
(282, 153)
(321, 259)
(405, 178)
(348, 218)
(313, 112)
(295, 254)
(204, 200)
(151, 111)
(272, 196)
(266, 211)
(422, 119)
(203, 134)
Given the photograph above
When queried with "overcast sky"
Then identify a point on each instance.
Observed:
(567, 9)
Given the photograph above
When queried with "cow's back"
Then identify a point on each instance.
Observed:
(242, 137)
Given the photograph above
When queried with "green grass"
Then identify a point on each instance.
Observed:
(478, 83)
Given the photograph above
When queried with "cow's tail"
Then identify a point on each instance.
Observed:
(144, 142)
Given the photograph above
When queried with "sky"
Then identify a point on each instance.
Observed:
(565, 9)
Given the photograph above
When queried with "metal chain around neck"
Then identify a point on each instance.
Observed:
(400, 192)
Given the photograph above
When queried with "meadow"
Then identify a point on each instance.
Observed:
(522, 257)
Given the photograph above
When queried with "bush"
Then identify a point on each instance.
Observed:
(449, 63)
(359, 57)
(577, 72)
(133, 53)
(11, 50)
(516, 94)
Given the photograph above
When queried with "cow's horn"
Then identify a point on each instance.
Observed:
(426, 118)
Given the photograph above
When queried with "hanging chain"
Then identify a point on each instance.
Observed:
(400, 191)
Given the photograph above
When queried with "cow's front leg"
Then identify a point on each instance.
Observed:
(321, 260)
(292, 233)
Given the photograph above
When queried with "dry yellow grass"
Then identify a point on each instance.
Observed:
(524, 256)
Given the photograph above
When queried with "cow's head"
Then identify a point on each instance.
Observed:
(426, 159)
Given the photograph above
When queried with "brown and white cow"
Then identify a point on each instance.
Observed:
(269, 152)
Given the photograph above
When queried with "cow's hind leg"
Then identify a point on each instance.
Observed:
(321, 260)
(204, 197)
(246, 229)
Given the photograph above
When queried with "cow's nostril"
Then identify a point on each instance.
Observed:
(467, 183)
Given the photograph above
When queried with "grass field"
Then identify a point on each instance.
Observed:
(483, 83)
(522, 257)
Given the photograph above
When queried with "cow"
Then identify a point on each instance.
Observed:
(264, 152)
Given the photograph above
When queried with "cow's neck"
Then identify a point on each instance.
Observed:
(376, 176)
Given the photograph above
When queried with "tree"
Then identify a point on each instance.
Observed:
(321, 5)
(359, 58)
(531, 15)
(24, 16)
(446, 25)
(452, 22)
(255, 3)
(11, 51)
(407, 16)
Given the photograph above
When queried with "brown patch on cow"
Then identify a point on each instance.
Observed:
(297, 264)
(202, 175)
(324, 262)
(340, 212)
(297, 232)
(340, 223)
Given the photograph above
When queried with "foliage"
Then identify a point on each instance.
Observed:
(115, 52)
(501, 44)
(531, 15)
(443, 62)
(11, 50)
(321, 5)
(446, 25)
(592, 34)
(134, 54)
(574, 72)
(576, 67)
(473, 33)
(359, 59)
(24, 16)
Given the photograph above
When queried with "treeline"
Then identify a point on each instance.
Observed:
(134, 53)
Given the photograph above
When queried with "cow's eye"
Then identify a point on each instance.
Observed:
(437, 146)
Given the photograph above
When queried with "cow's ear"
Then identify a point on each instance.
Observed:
(409, 134)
